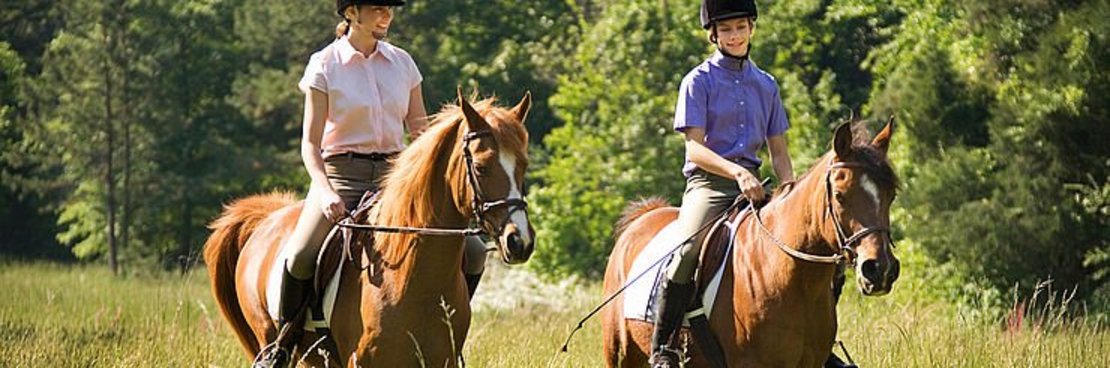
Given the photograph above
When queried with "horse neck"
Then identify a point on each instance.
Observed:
(798, 220)
(423, 262)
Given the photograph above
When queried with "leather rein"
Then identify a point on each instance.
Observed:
(845, 244)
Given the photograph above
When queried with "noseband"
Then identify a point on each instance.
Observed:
(846, 245)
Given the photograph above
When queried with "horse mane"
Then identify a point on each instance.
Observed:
(406, 195)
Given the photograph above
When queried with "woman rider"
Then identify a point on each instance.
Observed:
(361, 93)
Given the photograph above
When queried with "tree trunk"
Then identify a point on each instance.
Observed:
(125, 112)
(109, 174)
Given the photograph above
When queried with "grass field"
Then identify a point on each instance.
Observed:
(74, 316)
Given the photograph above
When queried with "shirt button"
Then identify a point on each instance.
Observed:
(741, 103)
(737, 81)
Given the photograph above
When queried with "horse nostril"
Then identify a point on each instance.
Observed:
(870, 270)
(515, 244)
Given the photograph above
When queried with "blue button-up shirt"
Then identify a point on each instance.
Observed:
(736, 103)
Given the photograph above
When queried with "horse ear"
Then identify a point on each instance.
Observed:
(473, 119)
(842, 140)
(882, 140)
(521, 109)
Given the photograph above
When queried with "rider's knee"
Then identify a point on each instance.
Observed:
(474, 259)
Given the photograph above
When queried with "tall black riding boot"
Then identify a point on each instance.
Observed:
(294, 298)
(834, 361)
(472, 283)
(674, 298)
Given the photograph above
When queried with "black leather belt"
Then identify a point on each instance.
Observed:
(376, 156)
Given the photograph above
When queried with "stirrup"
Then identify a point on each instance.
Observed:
(665, 357)
(272, 356)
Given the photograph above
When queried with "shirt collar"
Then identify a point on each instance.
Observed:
(347, 52)
(729, 62)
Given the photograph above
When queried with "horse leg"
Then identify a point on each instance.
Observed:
(612, 335)
(839, 279)
(637, 344)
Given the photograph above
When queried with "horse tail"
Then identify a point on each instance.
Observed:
(221, 253)
(636, 209)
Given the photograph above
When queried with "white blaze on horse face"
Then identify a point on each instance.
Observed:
(508, 162)
(871, 189)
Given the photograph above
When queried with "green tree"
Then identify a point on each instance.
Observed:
(616, 143)
(501, 47)
(197, 146)
(28, 230)
(83, 68)
(1003, 106)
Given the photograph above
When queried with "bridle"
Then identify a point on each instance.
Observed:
(478, 202)
(846, 245)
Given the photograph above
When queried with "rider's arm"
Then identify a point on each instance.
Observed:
(777, 125)
(780, 158)
(417, 117)
(708, 160)
(315, 114)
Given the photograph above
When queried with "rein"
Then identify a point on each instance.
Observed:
(845, 244)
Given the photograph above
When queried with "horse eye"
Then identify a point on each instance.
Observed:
(839, 197)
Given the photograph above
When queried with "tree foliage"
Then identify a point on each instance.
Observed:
(616, 143)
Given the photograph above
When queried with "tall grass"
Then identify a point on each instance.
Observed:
(62, 316)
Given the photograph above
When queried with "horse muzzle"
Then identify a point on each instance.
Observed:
(516, 247)
(875, 277)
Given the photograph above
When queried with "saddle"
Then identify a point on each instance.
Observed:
(342, 244)
(715, 247)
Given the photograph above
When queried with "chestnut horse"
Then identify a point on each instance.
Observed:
(774, 307)
(469, 164)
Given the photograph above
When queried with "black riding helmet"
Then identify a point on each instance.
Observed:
(341, 5)
(718, 10)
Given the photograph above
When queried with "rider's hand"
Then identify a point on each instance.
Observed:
(750, 186)
(332, 205)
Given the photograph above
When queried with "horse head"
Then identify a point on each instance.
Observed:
(860, 186)
(494, 147)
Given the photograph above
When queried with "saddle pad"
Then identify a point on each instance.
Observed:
(639, 298)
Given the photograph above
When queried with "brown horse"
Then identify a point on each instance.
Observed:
(469, 164)
(775, 309)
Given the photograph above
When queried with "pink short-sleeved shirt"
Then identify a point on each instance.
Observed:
(368, 96)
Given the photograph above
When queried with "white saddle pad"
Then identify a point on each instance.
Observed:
(639, 298)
